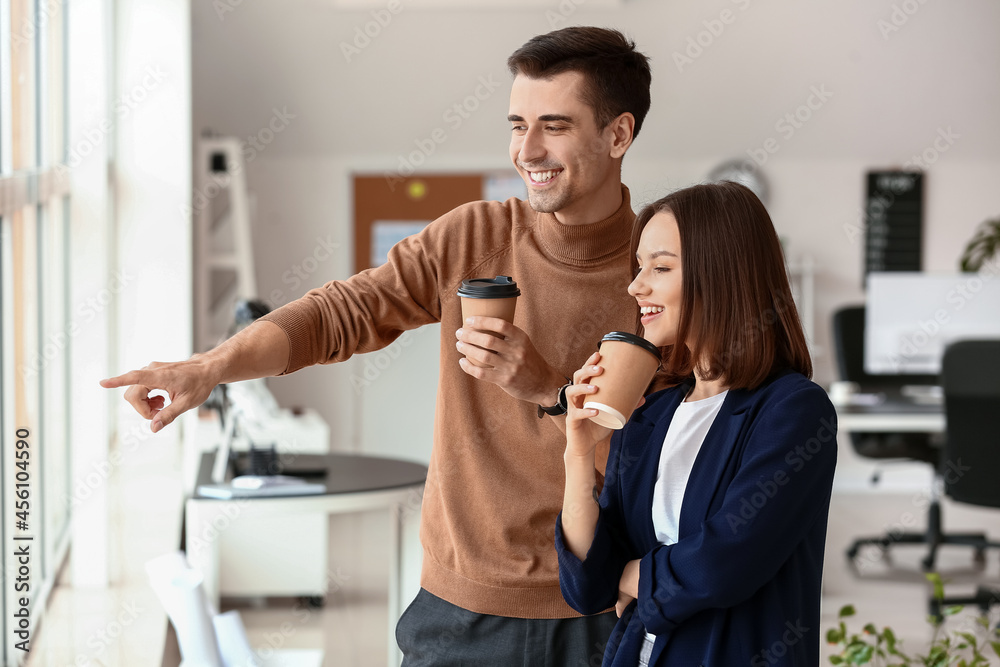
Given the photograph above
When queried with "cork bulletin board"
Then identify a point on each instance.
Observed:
(385, 208)
(388, 208)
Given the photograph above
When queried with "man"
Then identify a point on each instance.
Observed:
(489, 586)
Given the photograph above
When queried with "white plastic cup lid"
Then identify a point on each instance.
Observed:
(606, 415)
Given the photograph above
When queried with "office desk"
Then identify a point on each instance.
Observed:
(353, 484)
(896, 414)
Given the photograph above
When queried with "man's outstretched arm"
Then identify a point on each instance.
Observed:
(260, 350)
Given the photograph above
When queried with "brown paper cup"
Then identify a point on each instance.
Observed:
(501, 308)
(489, 297)
(629, 363)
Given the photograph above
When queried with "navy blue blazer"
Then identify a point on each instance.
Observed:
(742, 584)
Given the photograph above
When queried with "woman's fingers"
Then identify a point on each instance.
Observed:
(576, 394)
(583, 375)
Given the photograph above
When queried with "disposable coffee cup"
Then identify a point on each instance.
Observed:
(489, 297)
(629, 363)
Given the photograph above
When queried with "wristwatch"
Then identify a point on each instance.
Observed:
(560, 407)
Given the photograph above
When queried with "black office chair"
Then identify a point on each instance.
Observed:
(970, 376)
(849, 342)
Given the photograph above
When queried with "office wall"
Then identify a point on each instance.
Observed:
(887, 80)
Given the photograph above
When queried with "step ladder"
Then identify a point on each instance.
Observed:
(223, 249)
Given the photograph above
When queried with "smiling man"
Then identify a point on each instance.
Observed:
(490, 579)
(555, 152)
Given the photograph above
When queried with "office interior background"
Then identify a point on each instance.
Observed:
(102, 106)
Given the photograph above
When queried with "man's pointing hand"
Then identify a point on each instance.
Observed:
(188, 383)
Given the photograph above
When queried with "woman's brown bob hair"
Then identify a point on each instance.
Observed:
(737, 312)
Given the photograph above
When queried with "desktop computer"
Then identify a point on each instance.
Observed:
(912, 316)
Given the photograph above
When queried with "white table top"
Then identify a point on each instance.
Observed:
(294, 657)
(890, 412)
(288, 657)
(893, 423)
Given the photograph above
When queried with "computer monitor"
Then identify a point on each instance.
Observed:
(910, 318)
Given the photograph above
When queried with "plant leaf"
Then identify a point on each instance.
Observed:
(982, 247)
(937, 583)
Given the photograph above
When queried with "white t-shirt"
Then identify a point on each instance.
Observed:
(686, 433)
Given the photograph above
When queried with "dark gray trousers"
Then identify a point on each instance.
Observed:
(435, 632)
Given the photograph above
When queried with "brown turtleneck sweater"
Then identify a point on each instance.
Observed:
(496, 475)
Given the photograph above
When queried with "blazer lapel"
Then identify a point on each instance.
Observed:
(644, 441)
(708, 476)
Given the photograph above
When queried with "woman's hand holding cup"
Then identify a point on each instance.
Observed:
(582, 434)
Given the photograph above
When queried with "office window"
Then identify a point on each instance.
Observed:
(36, 329)
(24, 36)
(6, 131)
(21, 388)
(56, 327)
(51, 50)
(6, 406)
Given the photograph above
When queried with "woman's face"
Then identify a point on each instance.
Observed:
(657, 286)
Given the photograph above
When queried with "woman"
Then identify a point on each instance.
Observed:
(708, 534)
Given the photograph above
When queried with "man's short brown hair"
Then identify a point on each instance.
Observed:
(617, 76)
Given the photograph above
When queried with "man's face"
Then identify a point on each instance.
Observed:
(557, 148)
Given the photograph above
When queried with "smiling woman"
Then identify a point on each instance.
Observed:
(684, 540)
(658, 279)
(737, 318)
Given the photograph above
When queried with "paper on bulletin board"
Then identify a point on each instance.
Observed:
(387, 233)
(503, 186)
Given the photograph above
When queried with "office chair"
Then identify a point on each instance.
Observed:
(849, 339)
(849, 344)
(970, 377)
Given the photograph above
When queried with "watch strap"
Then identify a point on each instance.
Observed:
(560, 406)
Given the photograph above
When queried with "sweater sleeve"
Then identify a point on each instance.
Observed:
(782, 487)
(369, 310)
(590, 586)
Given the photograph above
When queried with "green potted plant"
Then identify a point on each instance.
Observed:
(882, 648)
(982, 247)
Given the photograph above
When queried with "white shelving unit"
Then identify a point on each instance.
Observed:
(224, 268)
(801, 276)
